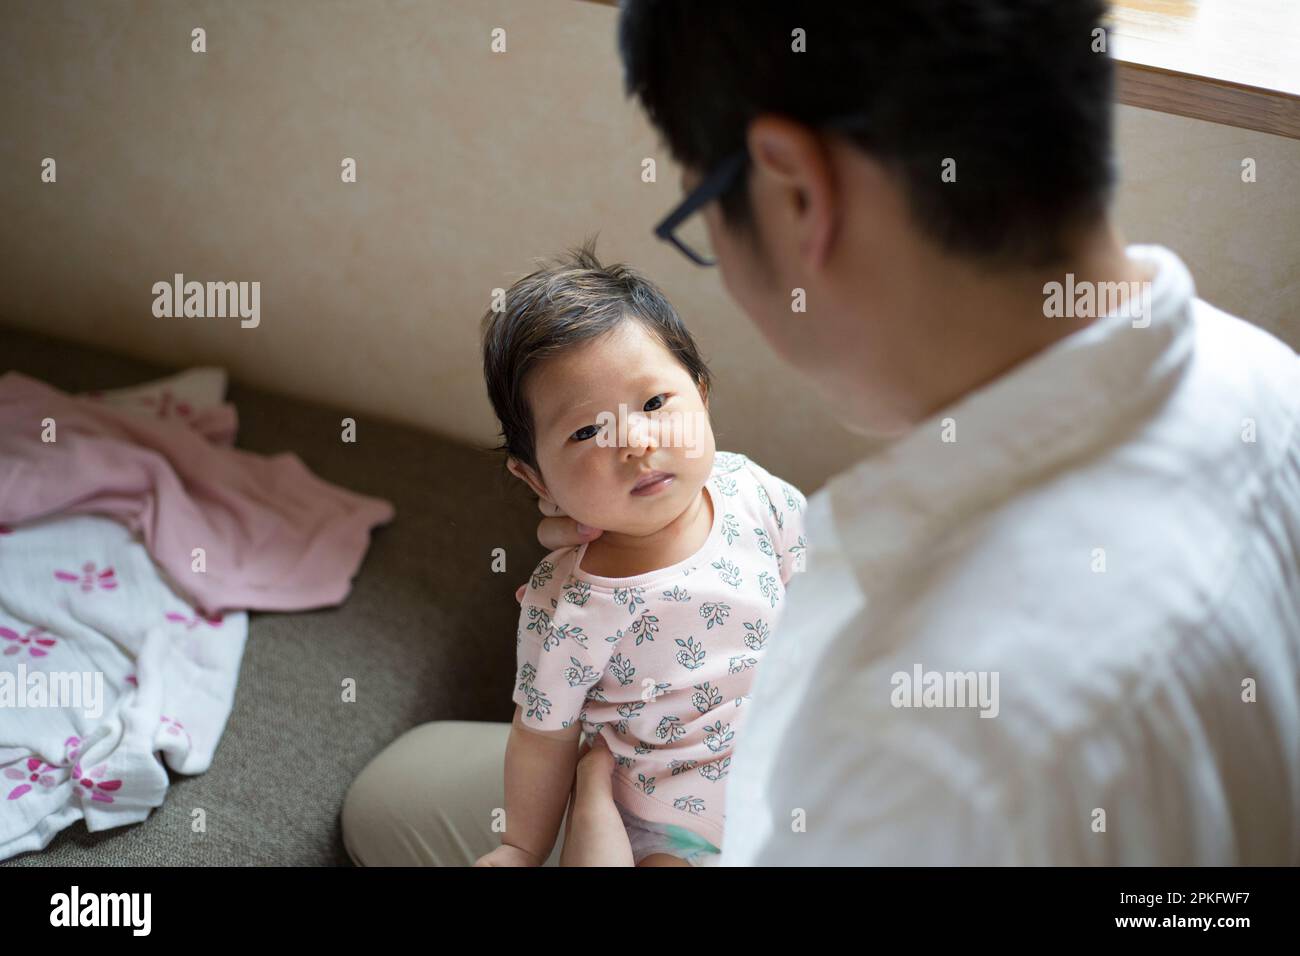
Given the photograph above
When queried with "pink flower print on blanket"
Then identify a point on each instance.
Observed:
(35, 640)
(90, 578)
(34, 775)
(176, 728)
(192, 622)
(92, 782)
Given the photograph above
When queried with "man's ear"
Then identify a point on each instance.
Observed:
(800, 169)
(528, 477)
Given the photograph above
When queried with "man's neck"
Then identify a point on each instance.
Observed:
(973, 327)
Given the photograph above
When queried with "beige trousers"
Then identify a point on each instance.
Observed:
(428, 799)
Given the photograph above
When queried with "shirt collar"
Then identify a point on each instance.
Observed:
(1058, 405)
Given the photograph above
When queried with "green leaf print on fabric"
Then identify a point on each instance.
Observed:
(770, 587)
(645, 784)
(527, 674)
(764, 543)
(677, 594)
(579, 673)
(727, 461)
(742, 663)
(728, 486)
(706, 697)
(540, 621)
(714, 612)
(692, 655)
(771, 508)
(630, 709)
(795, 555)
(670, 728)
(541, 575)
(571, 631)
(577, 592)
(718, 736)
(791, 501)
(632, 597)
(681, 766)
(691, 804)
(645, 628)
(730, 528)
(757, 634)
(622, 669)
(539, 705)
(728, 571)
(715, 770)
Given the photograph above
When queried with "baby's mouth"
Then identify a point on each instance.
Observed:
(651, 482)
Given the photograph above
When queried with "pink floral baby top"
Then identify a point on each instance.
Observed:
(661, 664)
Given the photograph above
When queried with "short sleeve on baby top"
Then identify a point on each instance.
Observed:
(561, 650)
(785, 506)
(661, 664)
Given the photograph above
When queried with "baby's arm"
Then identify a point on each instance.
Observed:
(558, 664)
(539, 777)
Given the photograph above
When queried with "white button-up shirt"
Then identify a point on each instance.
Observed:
(1098, 554)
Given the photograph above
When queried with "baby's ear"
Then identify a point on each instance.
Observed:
(528, 477)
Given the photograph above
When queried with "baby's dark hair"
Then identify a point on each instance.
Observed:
(547, 312)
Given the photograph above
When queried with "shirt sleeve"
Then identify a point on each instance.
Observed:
(558, 658)
(785, 506)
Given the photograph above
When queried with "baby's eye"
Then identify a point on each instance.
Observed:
(589, 431)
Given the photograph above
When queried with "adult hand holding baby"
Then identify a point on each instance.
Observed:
(557, 530)
(587, 845)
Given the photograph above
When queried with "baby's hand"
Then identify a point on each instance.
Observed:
(507, 855)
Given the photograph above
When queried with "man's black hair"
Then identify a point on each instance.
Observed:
(1012, 90)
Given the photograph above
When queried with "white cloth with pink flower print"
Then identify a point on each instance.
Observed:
(80, 595)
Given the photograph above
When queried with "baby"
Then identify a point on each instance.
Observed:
(648, 635)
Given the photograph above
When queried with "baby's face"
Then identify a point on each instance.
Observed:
(590, 470)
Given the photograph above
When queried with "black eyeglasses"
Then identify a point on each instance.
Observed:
(714, 185)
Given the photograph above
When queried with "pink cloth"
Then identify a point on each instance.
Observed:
(275, 536)
(661, 664)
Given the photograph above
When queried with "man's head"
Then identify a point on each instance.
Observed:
(575, 341)
(983, 150)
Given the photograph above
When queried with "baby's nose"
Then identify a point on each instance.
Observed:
(642, 432)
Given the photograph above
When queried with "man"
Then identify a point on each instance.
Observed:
(1057, 619)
